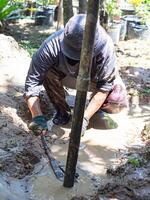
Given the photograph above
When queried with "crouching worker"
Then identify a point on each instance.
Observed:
(58, 58)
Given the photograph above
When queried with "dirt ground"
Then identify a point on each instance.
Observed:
(20, 150)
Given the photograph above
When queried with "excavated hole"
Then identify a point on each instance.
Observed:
(19, 164)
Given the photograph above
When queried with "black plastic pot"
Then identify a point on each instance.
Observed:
(114, 32)
(134, 28)
(138, 31)
(45, 17)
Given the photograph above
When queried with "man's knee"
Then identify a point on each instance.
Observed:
(116, 101)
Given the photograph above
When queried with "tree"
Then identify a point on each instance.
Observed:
(68, 10)
(103, 15)
(59, 14)
(82, 6)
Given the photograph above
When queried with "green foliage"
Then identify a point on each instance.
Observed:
(146, 90)
(53, 2)
(134, 162)
(142, 9)
(146, 2)
(143, 12)
(6, 8)
(30, 47)
(46, 2)
(110, 124)
(18, 1)
(112, 8)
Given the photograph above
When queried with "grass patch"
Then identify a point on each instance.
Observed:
(32, 44)
(135, 162)
(29, 46)
(146, 90)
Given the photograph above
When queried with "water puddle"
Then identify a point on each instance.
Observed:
(12, 189)
(43, 185)
(47, 187)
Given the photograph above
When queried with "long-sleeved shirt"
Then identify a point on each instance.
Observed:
(49, 55)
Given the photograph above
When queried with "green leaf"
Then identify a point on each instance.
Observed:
(3, 4)
(146, 90)
(134, 162)
(5, 12)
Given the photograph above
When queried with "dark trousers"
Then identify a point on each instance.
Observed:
(55, 91)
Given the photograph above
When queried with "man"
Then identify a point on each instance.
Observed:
(58, 58)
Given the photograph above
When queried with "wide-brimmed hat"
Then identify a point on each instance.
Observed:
(72, 37)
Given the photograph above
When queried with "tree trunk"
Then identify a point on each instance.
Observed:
(68, 10)
(103, 16)
(82, 87)
(82, 6)
(60, 15)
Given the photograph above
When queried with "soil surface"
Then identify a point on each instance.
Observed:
(21, 150)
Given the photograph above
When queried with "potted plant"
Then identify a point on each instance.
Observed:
(113, 10)
(113, 28)
(140, 28)
(142, 10)
(45, 14)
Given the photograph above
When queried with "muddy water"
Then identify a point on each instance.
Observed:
(99, 148)
(12, 189)
(97, 152)
(43, 185)
(47, 187)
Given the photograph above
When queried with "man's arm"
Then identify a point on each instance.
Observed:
(95, 104)
(34, 106)
(41, 61)
(39, 123)
(106, 72)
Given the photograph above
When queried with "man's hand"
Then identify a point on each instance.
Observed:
(84, 126)
(38, 125)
